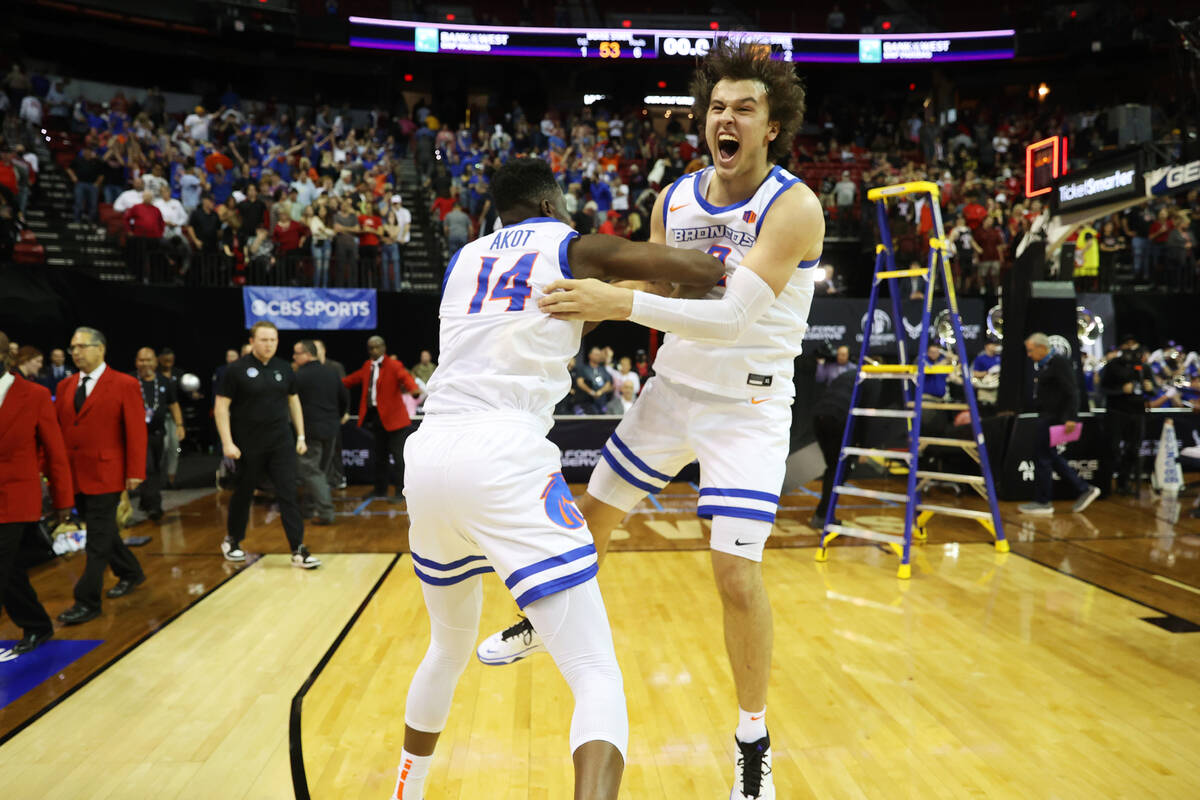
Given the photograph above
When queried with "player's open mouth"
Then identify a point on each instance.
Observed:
(727, 146)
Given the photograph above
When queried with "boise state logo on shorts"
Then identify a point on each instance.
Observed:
(560, 505)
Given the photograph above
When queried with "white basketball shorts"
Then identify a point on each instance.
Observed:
(742, 446)
(486, 493)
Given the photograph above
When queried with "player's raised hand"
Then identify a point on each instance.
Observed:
(587, 300)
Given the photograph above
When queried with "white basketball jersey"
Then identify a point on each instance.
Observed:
(760, 362)
(499, 352)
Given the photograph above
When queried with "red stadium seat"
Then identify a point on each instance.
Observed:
(28, 236)
(27, 253)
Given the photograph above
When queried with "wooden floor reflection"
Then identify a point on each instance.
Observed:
(991, 676)
(943, 685)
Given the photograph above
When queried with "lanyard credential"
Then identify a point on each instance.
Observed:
(151, 410)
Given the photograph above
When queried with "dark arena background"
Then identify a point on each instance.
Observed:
(173, 172)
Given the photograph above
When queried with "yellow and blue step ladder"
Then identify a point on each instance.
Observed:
(917, 513)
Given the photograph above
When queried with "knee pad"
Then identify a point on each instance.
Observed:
(744, 538)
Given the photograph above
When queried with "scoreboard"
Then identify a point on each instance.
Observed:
(642, 43)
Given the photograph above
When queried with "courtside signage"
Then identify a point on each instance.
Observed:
(297, 309)
(1169, 180)
(1110, 183)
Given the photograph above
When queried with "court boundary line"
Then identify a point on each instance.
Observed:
(1111, 591)
(138, 643)
(295, 739)
(1080, 542)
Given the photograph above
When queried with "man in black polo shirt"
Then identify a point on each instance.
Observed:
(159, 398)
(337, 470)
(256, 397)
(324, 400)
(204, 230)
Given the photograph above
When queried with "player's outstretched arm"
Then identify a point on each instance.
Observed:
(601, 256)
(793, 233)
(661, 284)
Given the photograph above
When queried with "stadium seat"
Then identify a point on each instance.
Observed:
(29, 253)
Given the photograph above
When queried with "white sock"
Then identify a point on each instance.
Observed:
(410, 777)
(752, 725)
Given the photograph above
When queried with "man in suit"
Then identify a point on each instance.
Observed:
(166, 368)
(381, 411)
(161, 403)
(337, 470)
(324, 400)
(104, 424)
(27, 424)
(1056, 397)
(58, 368)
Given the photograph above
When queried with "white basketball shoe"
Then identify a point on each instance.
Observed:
(752, 778)
(511, 644)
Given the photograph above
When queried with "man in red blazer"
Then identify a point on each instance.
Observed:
(103, 422)
(27, 425)
(381, 411)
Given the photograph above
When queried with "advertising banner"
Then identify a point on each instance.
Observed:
(841, 321)
(296, 309)
(1088, 456)
(579, 440)
(1111, 181)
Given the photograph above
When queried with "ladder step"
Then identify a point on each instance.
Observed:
(863, 533)
(886, 376)
(950, 511)
(890, 413)
(872, 452)
(875, 368)
(901, 273)
(906, 369)
(952, 477)
(938, 405)
(874, 494)
(942, 441)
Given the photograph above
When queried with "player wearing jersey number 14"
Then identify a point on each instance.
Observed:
(484, 486)
(723, 386)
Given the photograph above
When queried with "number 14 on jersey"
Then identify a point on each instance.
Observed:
(512, 285)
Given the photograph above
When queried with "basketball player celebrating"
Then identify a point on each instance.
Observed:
(723, 389)
(484, 486)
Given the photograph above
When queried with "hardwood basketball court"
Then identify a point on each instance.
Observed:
(1064, 669)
